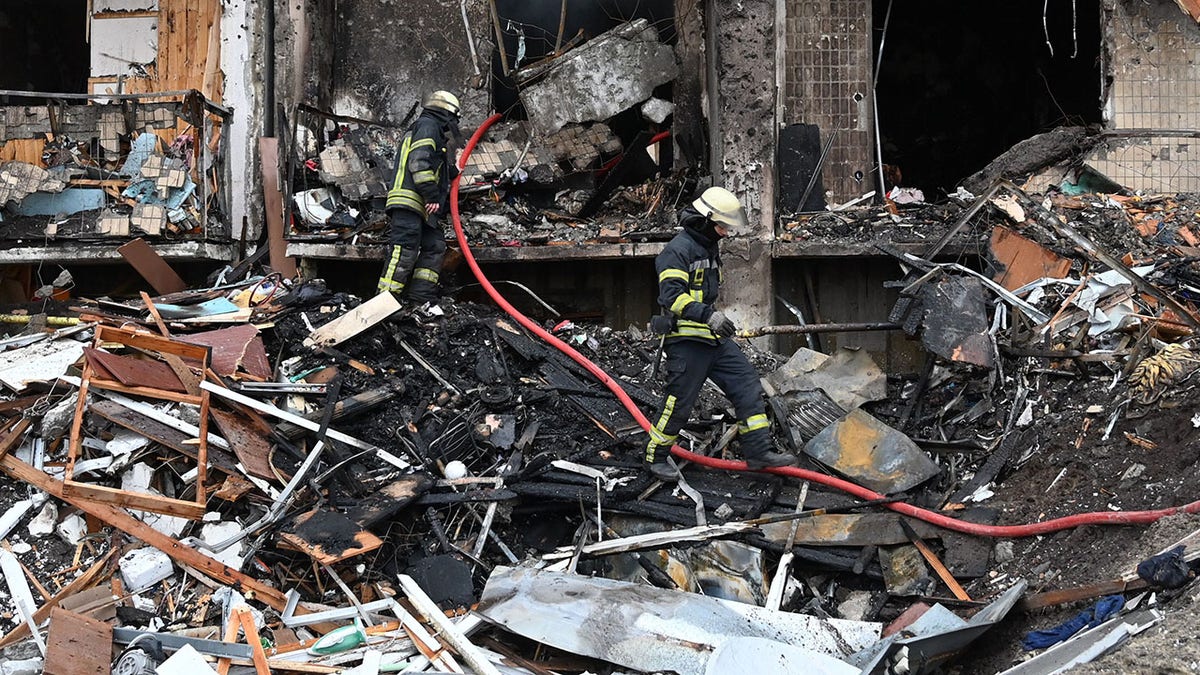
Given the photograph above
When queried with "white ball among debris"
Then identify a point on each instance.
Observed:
(454, 469)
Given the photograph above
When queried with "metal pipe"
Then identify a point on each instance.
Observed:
(816, 328)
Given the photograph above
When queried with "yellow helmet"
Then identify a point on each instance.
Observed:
(442, 100)
(722, 207)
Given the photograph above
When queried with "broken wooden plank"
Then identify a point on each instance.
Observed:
(135, 500)
(387, 501)
(1078, 593)
(134, 372)
(268, 150)
(13, 437)
(161, 433)
(158, 321)
(251, 448)
(300, 421)
(328, 537)
(148, 263)
(934, 562)
(449, 631)
(77, 645)
(242, 620)
(853, 529)
(355, 321)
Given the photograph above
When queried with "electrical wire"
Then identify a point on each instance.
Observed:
(934, 518)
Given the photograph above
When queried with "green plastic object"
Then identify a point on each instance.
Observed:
(340, 640)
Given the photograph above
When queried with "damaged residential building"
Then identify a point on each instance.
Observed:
(967, 296)
(829, 103)
(616, 112)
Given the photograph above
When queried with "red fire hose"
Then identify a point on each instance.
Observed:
(1031, 529)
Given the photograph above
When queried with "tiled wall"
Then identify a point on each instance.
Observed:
(828, 83)
(1155, 56)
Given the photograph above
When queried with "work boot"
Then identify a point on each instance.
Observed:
(661, 470)
(771, 459)
(421, 291)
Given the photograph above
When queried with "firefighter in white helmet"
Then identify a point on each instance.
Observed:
(419, 199)
(697, 337)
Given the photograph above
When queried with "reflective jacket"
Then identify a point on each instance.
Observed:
(421, 175)
(689, 276)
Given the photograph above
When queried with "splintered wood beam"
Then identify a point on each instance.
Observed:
(934, 562)
(1078, 593)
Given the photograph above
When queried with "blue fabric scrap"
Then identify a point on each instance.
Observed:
(1104, 609)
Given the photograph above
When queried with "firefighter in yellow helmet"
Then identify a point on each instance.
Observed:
(697, 337)
(419, 200)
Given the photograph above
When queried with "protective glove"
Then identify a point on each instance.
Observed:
(720, 324)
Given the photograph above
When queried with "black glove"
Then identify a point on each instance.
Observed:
(720, 324)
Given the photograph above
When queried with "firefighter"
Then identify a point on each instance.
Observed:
(697, 337)
(419, 199)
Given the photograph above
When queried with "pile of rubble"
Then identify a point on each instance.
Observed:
(88, 172)
(278, 475)
(562, 177)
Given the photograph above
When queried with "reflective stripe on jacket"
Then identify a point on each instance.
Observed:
(420, 176)
(689, 276)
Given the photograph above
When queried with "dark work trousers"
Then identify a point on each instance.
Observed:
(689, 363)
(417, 250)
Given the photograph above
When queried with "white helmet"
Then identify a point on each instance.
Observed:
(443, 100)
(721, 207)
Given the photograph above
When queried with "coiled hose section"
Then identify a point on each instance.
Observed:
(1007, 531)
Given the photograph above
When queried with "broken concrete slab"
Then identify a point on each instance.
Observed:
(645, 627)
(583, 146)
(610, 73)
(143, 567)
(149, 218)
(657, 110)
(872, 454)
(511, 148)
(341, 165)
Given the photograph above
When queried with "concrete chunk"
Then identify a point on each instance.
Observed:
(605, 76)
(144, 567)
